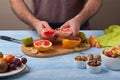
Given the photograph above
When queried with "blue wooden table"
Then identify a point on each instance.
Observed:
(53, 68)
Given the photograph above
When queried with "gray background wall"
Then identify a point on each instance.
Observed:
(109, 14)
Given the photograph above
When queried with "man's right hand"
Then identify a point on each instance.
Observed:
(40, 27)
(22, 11)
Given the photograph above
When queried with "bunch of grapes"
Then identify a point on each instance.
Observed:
(16, 63)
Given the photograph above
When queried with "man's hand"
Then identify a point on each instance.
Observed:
(74, 25)
(89, 9)
(41, 27)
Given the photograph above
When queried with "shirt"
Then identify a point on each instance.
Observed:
(57, 11)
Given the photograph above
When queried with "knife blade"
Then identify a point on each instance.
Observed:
(7, 38)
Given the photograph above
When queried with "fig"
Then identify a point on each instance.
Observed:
(82, 36)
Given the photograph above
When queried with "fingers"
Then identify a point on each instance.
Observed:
(66, 25)
(74, 33)
(46, 25)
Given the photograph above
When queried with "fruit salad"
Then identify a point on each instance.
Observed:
(113, 52)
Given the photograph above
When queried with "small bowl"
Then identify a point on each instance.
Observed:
(80, 61)
(80, 64)
(93, 69)
(111, 63)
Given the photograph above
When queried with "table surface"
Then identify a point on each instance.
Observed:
(54, 68)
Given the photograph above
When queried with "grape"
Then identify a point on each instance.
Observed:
(12, 67)
(12, 62)
(24, 60)
(17, 62)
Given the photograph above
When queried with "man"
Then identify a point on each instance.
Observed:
(56, 13)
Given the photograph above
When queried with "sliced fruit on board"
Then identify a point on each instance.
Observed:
(42, 45)
(70, 44)
(56, 50)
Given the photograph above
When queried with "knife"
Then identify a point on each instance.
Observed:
(10, 39)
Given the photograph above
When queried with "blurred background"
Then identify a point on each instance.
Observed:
(108, 15)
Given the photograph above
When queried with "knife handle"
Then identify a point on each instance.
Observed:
(10, 39)
(6, 38)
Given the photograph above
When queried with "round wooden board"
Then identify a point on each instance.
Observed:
(56, 50)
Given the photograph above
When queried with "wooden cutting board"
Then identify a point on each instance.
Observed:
(56, 50)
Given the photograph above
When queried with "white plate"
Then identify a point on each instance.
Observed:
(18, 70)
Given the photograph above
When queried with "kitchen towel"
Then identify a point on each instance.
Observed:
(111, 37)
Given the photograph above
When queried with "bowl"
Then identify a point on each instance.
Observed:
(111, 63)
(80, 64)
(80, 61)
(93, 69)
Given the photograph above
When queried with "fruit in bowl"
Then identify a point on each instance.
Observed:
(110, 57)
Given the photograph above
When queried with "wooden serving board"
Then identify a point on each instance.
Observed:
(56, 50)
